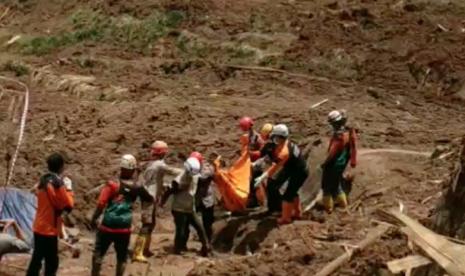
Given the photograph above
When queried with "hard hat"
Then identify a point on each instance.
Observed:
(197, 155)
(192, 165)
(245, 123)
(129, 162)
(266, 129)
(334, 116)
(280, 130)
(159, 148)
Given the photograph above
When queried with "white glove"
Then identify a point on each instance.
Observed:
(68, 183)
(260, 179)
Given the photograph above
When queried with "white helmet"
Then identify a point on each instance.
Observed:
(192, 165)
(129, 162)
(280, 130)
(335, 116)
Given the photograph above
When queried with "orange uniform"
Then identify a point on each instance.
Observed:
(280, 158)
(52, 200)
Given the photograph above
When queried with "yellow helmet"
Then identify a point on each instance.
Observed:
(266, 129)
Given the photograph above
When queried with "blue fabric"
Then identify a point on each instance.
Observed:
(21, 206)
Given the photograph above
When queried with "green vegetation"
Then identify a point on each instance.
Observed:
(121, 31)
(17, 68)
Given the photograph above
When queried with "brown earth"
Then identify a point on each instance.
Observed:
(369, 57)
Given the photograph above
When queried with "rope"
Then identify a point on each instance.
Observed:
(22, 126)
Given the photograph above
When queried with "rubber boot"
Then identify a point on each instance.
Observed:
(120, 267)
(138, 254)
(205, 251)
(286, 213)
(341, 200)
(328, 203)
(297, 209)
(148, 241)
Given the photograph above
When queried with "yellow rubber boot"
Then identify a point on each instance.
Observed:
(341, 200)
(138, 254)
(297, 208)
(286, 213)
(328, 203)
(148, 241)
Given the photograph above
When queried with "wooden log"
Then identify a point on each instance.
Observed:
(372, 236)
(407, 263)
(446, 254)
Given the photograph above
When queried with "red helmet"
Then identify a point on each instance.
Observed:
(246, 123)
(159, 148)
(197, 155)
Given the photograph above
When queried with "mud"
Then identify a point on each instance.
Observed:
(395, 68)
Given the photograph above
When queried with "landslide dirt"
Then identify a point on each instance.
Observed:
(395, 67)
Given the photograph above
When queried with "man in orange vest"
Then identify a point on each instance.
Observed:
(288, 165)
(53, 198)
(116, 204)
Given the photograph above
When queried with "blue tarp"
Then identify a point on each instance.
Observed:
(19, 205)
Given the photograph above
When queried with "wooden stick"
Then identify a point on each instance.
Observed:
(4, 13)
(11, 108)
(372, 236)
(319, 103)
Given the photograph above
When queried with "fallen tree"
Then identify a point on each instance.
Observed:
(449, 215)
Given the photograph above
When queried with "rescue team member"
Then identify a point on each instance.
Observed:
(204, 196)
(183, 189)
(342, 151)
(152, 179)
(254, 139)
(53, 199)
(116, 203)
(288, 165)
(258, 166)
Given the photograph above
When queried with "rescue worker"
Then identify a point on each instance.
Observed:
(116, 204)
(265, 131)
(287, 165)
(152, 179)
(342, 151)
(204, 196)
(255, 142)
(183, 190)
(53, 199)
(258, 166)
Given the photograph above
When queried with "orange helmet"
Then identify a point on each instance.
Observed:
(159, 148)
(246, 123)
(197, 155)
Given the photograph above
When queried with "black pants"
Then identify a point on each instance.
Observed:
(103, 240)
(208, 218)
(295, 178)
(183, 221)
(331, 182)
(45, 249)
(252, 200)
(295, 182)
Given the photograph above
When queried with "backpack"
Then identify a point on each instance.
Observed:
(118, 213)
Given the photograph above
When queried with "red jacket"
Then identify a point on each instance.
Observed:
(52, 200)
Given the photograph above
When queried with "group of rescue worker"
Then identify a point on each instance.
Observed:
(276, 160)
